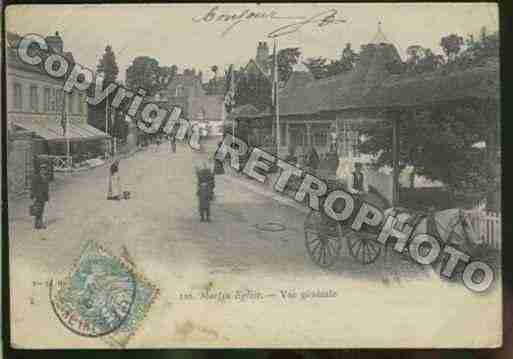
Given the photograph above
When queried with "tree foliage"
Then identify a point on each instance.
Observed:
(440, 144)
(145, 72)
(451, 45)
(287, 58)
(256, 88)
(108, 66)
(322, 67)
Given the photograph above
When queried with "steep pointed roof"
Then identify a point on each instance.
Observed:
(299, 77)
(380, 37)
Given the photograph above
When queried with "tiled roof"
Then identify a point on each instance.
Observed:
(370, 85)
(13, 59)
(341, 91)
(439, 86)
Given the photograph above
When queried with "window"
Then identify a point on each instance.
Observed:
(80, 108)
(320, 138)
(47, 99)
(34, 99)
(58, 100)
(349, 144)
(18, 99)
(53, 99)
(179, 90)
(70, 102)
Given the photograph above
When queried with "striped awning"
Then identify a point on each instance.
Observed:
(52, 130)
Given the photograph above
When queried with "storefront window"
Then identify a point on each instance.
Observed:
(47, 99)
(18, 99)
(348, 141)
(34, 99)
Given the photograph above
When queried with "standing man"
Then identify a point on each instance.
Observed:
(205, 191)
(358, 183)
(313, 159)
(172, 142)
(40, 194)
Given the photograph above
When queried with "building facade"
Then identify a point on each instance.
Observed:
(35, 104)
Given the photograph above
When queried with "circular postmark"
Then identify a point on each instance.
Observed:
(96, 299)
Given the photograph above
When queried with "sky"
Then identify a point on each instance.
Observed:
(179, 34)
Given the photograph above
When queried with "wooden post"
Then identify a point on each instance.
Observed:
(395, 159)
(287, 134)
(308, 139)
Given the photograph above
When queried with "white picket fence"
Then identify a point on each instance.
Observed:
(487, 225)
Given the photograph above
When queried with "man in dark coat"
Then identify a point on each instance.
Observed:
(313, 159)
(205, 191)
(172, 141)
(40, 194)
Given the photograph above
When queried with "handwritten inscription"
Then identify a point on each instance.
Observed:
(215, 16)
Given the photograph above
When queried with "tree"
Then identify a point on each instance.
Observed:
(287, 58)
(349, 58)
(317, 66)
(108, 66)
(422, 59)
(322, 67)
(212, 83)
(451, 45)
(446, 133)
(214, 69)
(143, 73)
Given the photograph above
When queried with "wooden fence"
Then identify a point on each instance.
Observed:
(488, 226)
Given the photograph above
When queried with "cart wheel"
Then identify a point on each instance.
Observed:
(364, 250)
(322, 239)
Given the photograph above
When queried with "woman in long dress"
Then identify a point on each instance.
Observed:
(114, 182)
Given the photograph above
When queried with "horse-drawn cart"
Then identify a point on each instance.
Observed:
(324, 236)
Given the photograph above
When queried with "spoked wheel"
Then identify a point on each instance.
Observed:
(322, 239)
(364, 250)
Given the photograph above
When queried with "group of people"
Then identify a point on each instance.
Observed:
(348, 172)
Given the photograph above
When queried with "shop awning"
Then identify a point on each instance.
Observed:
(52, 130)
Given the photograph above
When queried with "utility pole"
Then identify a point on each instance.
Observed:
(275, 99)
(65, 129)
(107, 125)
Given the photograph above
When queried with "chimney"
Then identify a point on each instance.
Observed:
(55, 42)
(262, 55)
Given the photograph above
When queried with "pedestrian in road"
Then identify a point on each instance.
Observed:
(358, 183)
(114, 192)
(158, 140)
(218, 164)
(291, 158)
(313, 160)
(172, 142)
(205, 191)
(40, 194)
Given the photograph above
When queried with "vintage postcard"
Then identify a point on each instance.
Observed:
(254, 175)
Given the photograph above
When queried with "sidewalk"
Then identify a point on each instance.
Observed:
(265, 189)
(61, 179)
